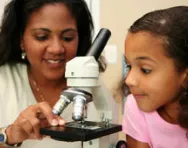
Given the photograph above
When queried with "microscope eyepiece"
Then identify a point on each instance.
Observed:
(99, 43)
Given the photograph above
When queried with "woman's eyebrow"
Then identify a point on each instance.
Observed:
(48, 30)
(69, 30)
(43, 29)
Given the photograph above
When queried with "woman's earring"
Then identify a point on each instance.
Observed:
(185, 93)
(23, 56)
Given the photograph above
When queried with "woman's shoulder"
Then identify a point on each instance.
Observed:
(12, 73)
(7, 69)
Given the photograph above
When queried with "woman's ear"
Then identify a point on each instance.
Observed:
(22, 44)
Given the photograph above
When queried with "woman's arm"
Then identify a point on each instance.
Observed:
(133, 143)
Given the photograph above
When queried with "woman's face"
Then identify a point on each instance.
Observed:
(152, 78)
(50, 40)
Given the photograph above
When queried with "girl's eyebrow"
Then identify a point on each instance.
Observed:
(145, 58)
(141, 58)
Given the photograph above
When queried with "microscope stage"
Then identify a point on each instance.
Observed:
(74, 131)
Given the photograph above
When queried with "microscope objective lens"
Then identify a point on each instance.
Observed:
(79, 105)
(60, 105)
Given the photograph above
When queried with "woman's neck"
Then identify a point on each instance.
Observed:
(46, 90)
(44, 82)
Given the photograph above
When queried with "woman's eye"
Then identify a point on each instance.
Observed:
(42, 38)
(68, 39)
(146, 71)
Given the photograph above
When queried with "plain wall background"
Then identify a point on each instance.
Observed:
(2, 4)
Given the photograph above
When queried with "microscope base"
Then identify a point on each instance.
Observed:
(74, 131)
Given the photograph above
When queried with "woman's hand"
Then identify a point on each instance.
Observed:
(29, 122)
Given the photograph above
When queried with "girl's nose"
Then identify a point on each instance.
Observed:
(131, 79)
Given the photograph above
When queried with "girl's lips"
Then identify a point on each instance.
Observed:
(138, 96)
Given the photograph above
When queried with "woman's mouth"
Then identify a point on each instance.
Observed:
(55, 63)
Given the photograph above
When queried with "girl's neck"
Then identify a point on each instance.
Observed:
(170, 112)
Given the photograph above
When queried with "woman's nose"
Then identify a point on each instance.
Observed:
(56, 46)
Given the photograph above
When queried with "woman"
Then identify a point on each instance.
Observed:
(37, 38)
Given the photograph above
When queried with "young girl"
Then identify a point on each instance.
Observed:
(156, 53)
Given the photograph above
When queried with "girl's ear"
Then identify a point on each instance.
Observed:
(185, 82)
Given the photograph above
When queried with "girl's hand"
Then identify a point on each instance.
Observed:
(29, 122)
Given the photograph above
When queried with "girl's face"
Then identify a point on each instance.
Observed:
(50, 40)
(152, 77)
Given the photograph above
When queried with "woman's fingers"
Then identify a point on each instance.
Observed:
(43, 120)
(29, 122)
(47, 111)
(61, 121)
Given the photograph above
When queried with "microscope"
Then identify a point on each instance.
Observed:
(92, 129)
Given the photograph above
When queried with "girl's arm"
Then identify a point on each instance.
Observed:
(133, 143)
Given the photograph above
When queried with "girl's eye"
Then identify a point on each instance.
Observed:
(126, 70)
(146, 71)
(128, 67)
